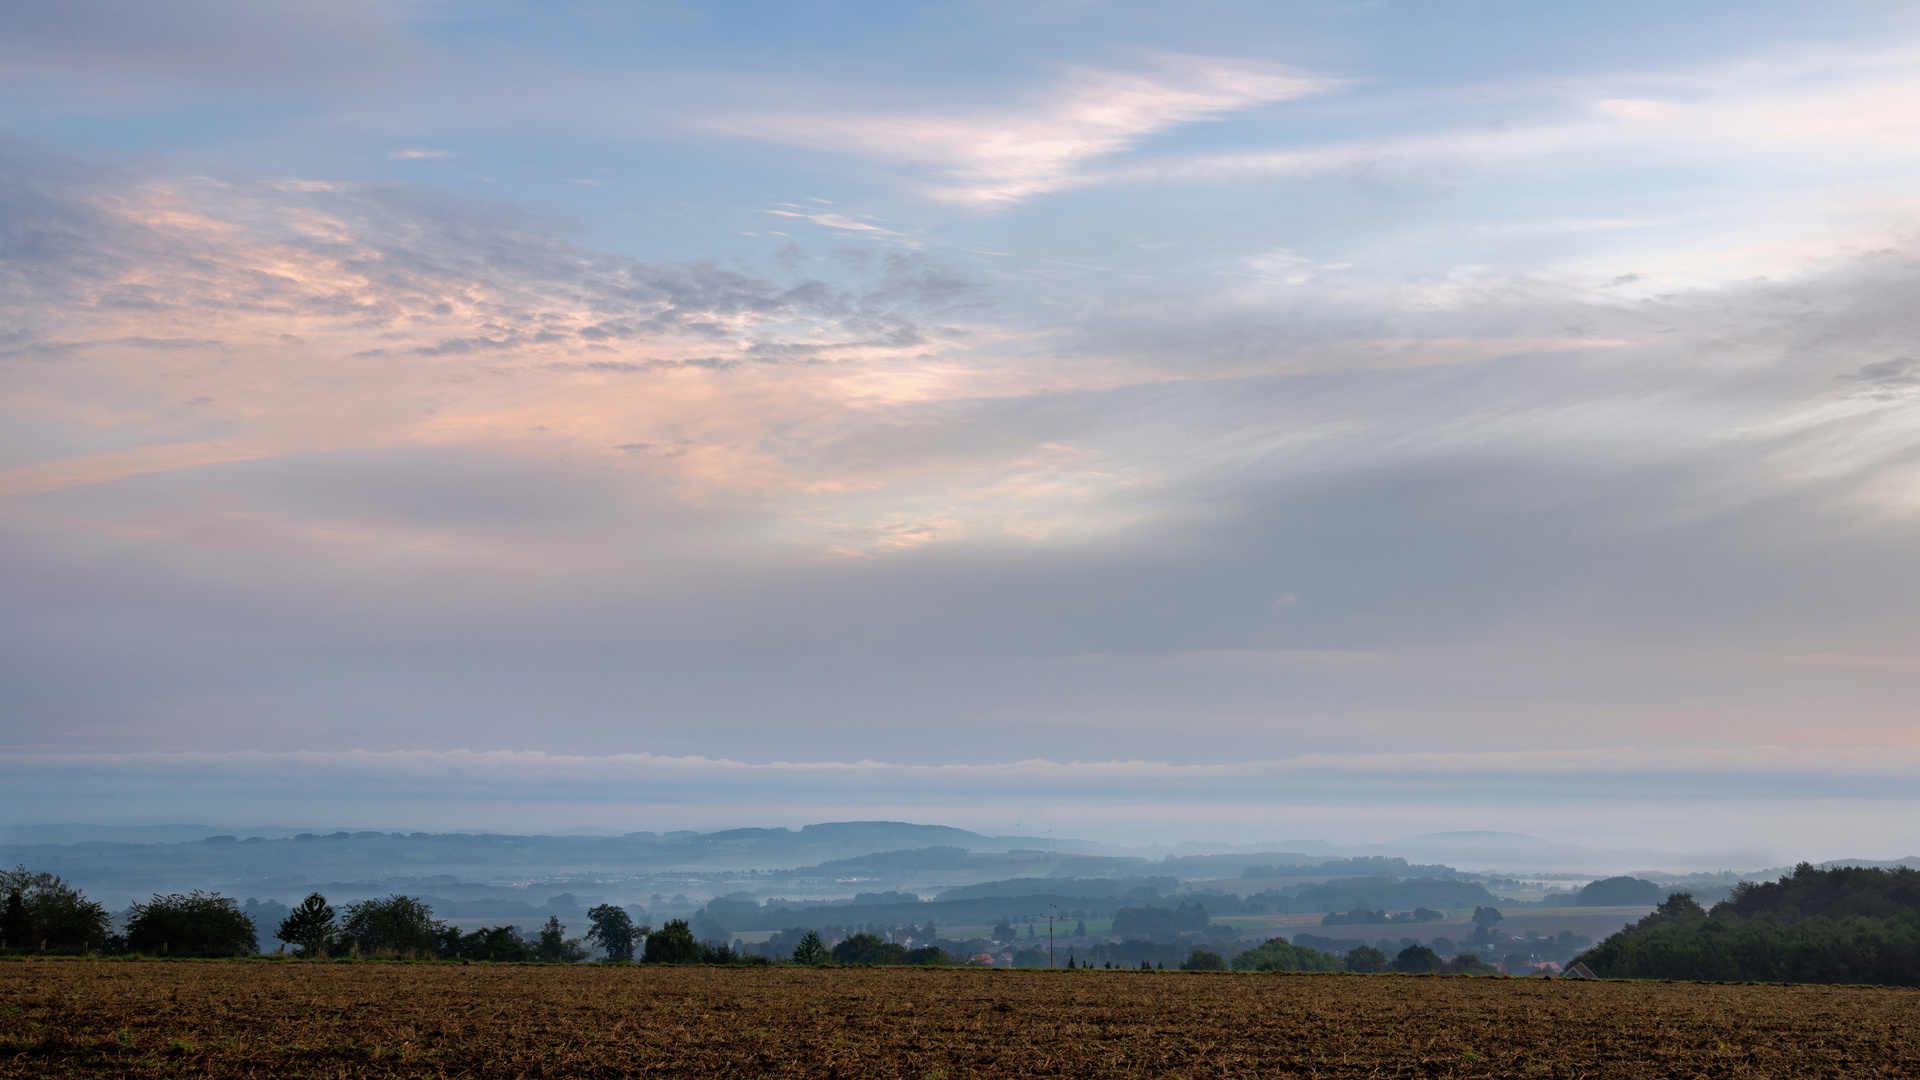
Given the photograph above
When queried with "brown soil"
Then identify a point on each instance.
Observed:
(60, 1018)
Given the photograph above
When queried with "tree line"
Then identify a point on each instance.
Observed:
(42, 911)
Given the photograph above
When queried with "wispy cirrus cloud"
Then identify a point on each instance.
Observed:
(1850, 107)
(990, 157)
(835, 221)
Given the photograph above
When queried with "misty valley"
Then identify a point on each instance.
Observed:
(845, 893)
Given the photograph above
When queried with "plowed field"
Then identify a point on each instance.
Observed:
(60, 1018)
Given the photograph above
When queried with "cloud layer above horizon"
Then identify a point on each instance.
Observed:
(1751, 807)
(953, 386)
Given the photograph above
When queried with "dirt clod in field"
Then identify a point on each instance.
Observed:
(351, 1020)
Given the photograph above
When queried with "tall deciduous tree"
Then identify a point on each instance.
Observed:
(395, 926)
(613, 931)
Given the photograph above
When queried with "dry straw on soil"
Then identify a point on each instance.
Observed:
(60, 1018)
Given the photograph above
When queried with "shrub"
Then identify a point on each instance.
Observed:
(672, 944)
(868, 949)
(1277, 955)
(1032, 958)
(191, 924)
(1469, 964)
(1203, 960)
(1359, 916)
(496, 944)
(927, 956)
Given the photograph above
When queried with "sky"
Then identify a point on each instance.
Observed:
(1142, 421)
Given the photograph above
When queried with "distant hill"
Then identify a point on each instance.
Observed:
(103, 834)
(1084, 888)
(1611, 892)
(1511, 852)
(1361, 866)
(131, 864)
(1390, 894)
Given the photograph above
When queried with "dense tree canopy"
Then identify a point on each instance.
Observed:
(40, 907)
(870, 949)
(496, 944)
(1275, 954)
(1844, 925)
(1203, 960)
(1620, 892)
(191, 924)
(613, 931)
(673, 943)
(1417, 960)
(1728, 948)
(396, 926)
(1835, 893)
(1367, 960)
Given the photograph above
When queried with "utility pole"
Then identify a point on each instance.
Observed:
(1049, 936)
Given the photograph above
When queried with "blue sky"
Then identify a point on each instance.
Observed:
(1269, 387)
